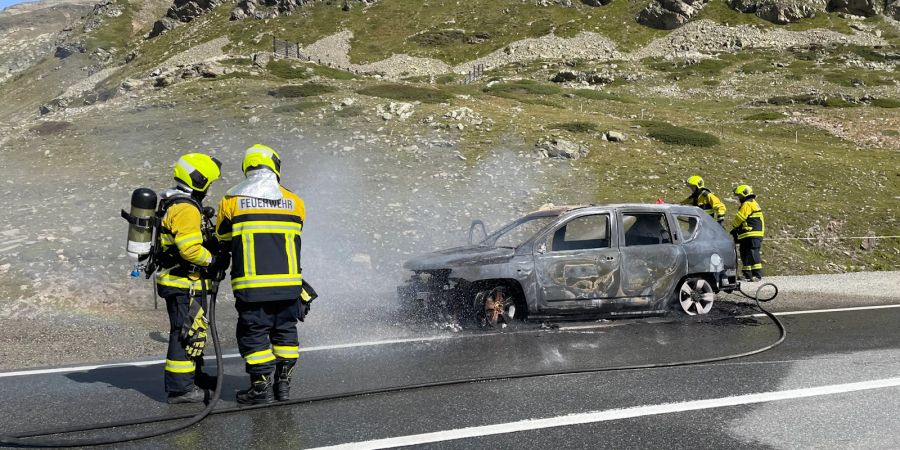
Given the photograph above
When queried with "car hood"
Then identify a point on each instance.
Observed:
(472, 255)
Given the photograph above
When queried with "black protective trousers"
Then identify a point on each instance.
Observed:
(179, 377)
(751, 259)
(262, 329)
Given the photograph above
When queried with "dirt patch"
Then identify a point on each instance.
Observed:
(51, 128)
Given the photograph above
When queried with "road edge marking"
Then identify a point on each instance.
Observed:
(613, 414)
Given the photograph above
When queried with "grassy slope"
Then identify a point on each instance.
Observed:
(804, 175)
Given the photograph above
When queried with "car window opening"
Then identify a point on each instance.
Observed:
(646, 229)
(582, 233)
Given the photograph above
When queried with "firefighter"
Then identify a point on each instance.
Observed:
(748, 228)
(182, 257)
(704, 198)
(259, 224)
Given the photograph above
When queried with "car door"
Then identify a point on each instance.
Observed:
(651, 261)
(578, 262)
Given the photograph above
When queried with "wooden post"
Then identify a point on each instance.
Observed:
(298, 50)
(274, 47)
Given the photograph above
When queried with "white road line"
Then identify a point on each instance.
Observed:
(397, 341)
(613, 414)
(817, 311)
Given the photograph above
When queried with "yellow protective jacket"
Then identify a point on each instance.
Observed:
(181, 241)
(707, 201)
(264, 238)
(749, 221)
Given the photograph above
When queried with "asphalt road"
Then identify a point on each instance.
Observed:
(833, 383)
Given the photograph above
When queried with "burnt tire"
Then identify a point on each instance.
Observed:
(494, 307)
(695, 296)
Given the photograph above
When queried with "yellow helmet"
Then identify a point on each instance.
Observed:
(743, 191)
(197, 171)
(260, 155)
(695, 180)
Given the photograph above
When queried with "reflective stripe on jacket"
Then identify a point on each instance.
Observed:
(265, 245)
(749, 221)
(180, 235)
(707, 201)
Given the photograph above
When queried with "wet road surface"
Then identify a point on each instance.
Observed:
(816, 372)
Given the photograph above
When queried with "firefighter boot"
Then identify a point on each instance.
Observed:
(194, 395)
(260, 391)
(283, 373)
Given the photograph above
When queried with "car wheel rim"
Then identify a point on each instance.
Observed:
(696, 296)
(497, 307)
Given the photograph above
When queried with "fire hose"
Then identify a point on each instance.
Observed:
(26, 439)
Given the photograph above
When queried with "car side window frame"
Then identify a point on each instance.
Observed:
(683, 237)
(668, 222)
(545, 241)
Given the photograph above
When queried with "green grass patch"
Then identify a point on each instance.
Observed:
(406, 93)
(891, 133)
(239, 62)
(575, 127)
(703, 68)
(886, 103)
(528, 87)
(836, 102)
(861, 77)
(769, 115)
(600, 95)
(675, 135)
(303, 90)
(758, 67)
(288, 70)
(299, 107)
(435, 38)
(351, 111)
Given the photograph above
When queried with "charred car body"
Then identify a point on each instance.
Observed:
(595, 260)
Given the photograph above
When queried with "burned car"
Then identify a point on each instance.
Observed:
(580, 261)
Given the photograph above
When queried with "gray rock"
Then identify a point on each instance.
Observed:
(615, 136)
(161, 26)
(69, 49)
(188, 10)
(892, 9)
(567, 76)
(780, 11)
(867, 8)
(596, 2)
(131, 56)
(210, 70)
(554, 147)
(669, 14)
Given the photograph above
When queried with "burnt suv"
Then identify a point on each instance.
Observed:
(594, 260)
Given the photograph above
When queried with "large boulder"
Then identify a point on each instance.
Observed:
(554, 147)
(867, 8)
(669, 14)
(188, 10)
(596, 2)
(780, 11)
(892, 9)
(161, 26)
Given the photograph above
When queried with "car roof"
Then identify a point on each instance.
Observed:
(552, 210)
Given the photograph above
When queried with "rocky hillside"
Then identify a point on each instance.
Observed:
(438, 112)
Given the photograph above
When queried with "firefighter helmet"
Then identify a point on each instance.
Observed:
(197, 171)
(743, 191)
(696, 181)
(261, 156)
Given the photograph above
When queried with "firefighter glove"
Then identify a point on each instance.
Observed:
(217, 267)
(303, 310)
(193, 331)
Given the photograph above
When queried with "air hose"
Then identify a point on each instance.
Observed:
(18, 441)
(19, 438)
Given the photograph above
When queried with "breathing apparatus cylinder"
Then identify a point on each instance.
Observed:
(140, 223)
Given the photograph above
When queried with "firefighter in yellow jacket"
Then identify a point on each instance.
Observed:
(704, 199)
(181, 258)
(260, 224)
(748, 229)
